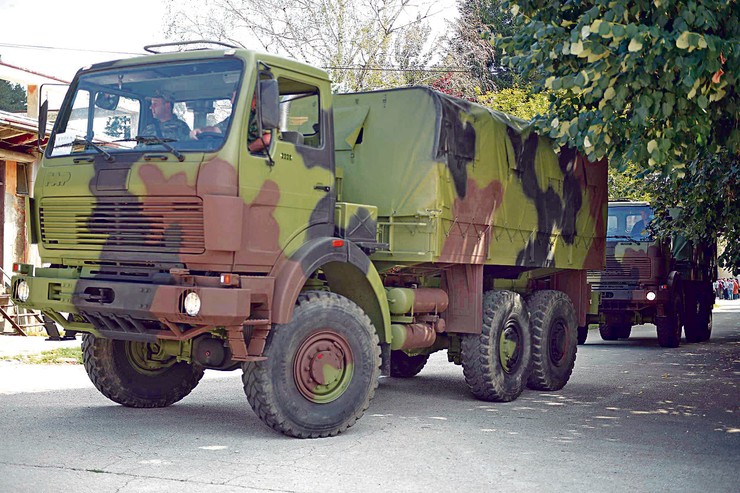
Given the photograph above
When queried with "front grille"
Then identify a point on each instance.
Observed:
(123, 224)
(620, 274)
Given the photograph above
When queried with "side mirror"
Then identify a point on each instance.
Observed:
(269, 99)
(43, 116)
(106, 101)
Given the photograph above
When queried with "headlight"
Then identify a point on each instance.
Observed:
(192, 303)
(650, 296)
(22, 291)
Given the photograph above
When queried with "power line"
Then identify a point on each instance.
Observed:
(39, 47)
(381, 69)
(373, 69)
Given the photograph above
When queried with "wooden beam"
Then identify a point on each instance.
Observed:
(18, 157)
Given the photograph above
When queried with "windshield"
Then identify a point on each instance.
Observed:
(153, 107)
(629, 222)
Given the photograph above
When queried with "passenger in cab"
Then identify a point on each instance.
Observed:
(255, 144)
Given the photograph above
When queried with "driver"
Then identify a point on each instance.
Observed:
(639, 230)
(166, 124)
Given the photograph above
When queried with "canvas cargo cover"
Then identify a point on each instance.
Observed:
(456, 182)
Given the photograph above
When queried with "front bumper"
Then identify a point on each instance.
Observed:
(133, 310)
(633, 297)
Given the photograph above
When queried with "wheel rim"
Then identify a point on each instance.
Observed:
(141, 356)
(510, 348)
(558, 342)
(323, 367)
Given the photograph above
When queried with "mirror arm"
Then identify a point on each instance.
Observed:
(43, 115)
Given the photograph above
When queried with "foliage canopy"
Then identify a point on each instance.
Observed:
(652, 83)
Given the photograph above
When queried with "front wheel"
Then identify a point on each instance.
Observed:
(669, 326)
(496, 363)
(137, 374)
(552, 320)
(321, 370)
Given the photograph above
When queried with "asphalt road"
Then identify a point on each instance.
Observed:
(634, 417)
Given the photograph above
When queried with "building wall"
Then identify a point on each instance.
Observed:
(14, 221)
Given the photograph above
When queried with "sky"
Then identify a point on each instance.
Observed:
(92, 31)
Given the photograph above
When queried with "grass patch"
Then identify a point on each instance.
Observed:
(60, 356)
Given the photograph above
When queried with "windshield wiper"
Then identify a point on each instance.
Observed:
(88, 143)
(154, 140)
(627, 238)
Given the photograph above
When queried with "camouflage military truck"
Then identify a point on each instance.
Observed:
(666, 283)
(370, 231)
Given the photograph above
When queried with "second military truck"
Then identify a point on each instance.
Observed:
(362, 233)
(649, 280)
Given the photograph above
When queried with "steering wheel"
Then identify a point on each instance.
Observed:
(209, 135)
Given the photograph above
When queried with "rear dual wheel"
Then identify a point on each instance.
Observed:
(496, 363)
(552, 320)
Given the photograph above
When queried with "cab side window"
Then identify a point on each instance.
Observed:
(300, 121)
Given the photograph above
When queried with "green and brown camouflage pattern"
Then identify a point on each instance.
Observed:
(392, 188)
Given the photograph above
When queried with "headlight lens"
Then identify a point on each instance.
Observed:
(22, 291)
(192, 303)
(650, 296)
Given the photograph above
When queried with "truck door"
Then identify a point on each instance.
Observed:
(290, 198)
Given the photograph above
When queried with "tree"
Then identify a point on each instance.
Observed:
(652, 83)
(12, 97)
(355, 40)
(118, 126)
(469, 46)
(630, 184)
(516, 101)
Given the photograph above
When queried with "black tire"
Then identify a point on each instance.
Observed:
(624, 331)
(613, 330)
(698, 314)
(123, 372)
(491, 375)
(552, 320)
(582, 335)
(405, 366)
(669, 327)
(705, 334)
(289, 390)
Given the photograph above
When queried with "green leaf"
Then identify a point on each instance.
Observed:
(652, 145)
(635, 45)
(580, 80)
(667, 109)
(683, 40)
(618, 31)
